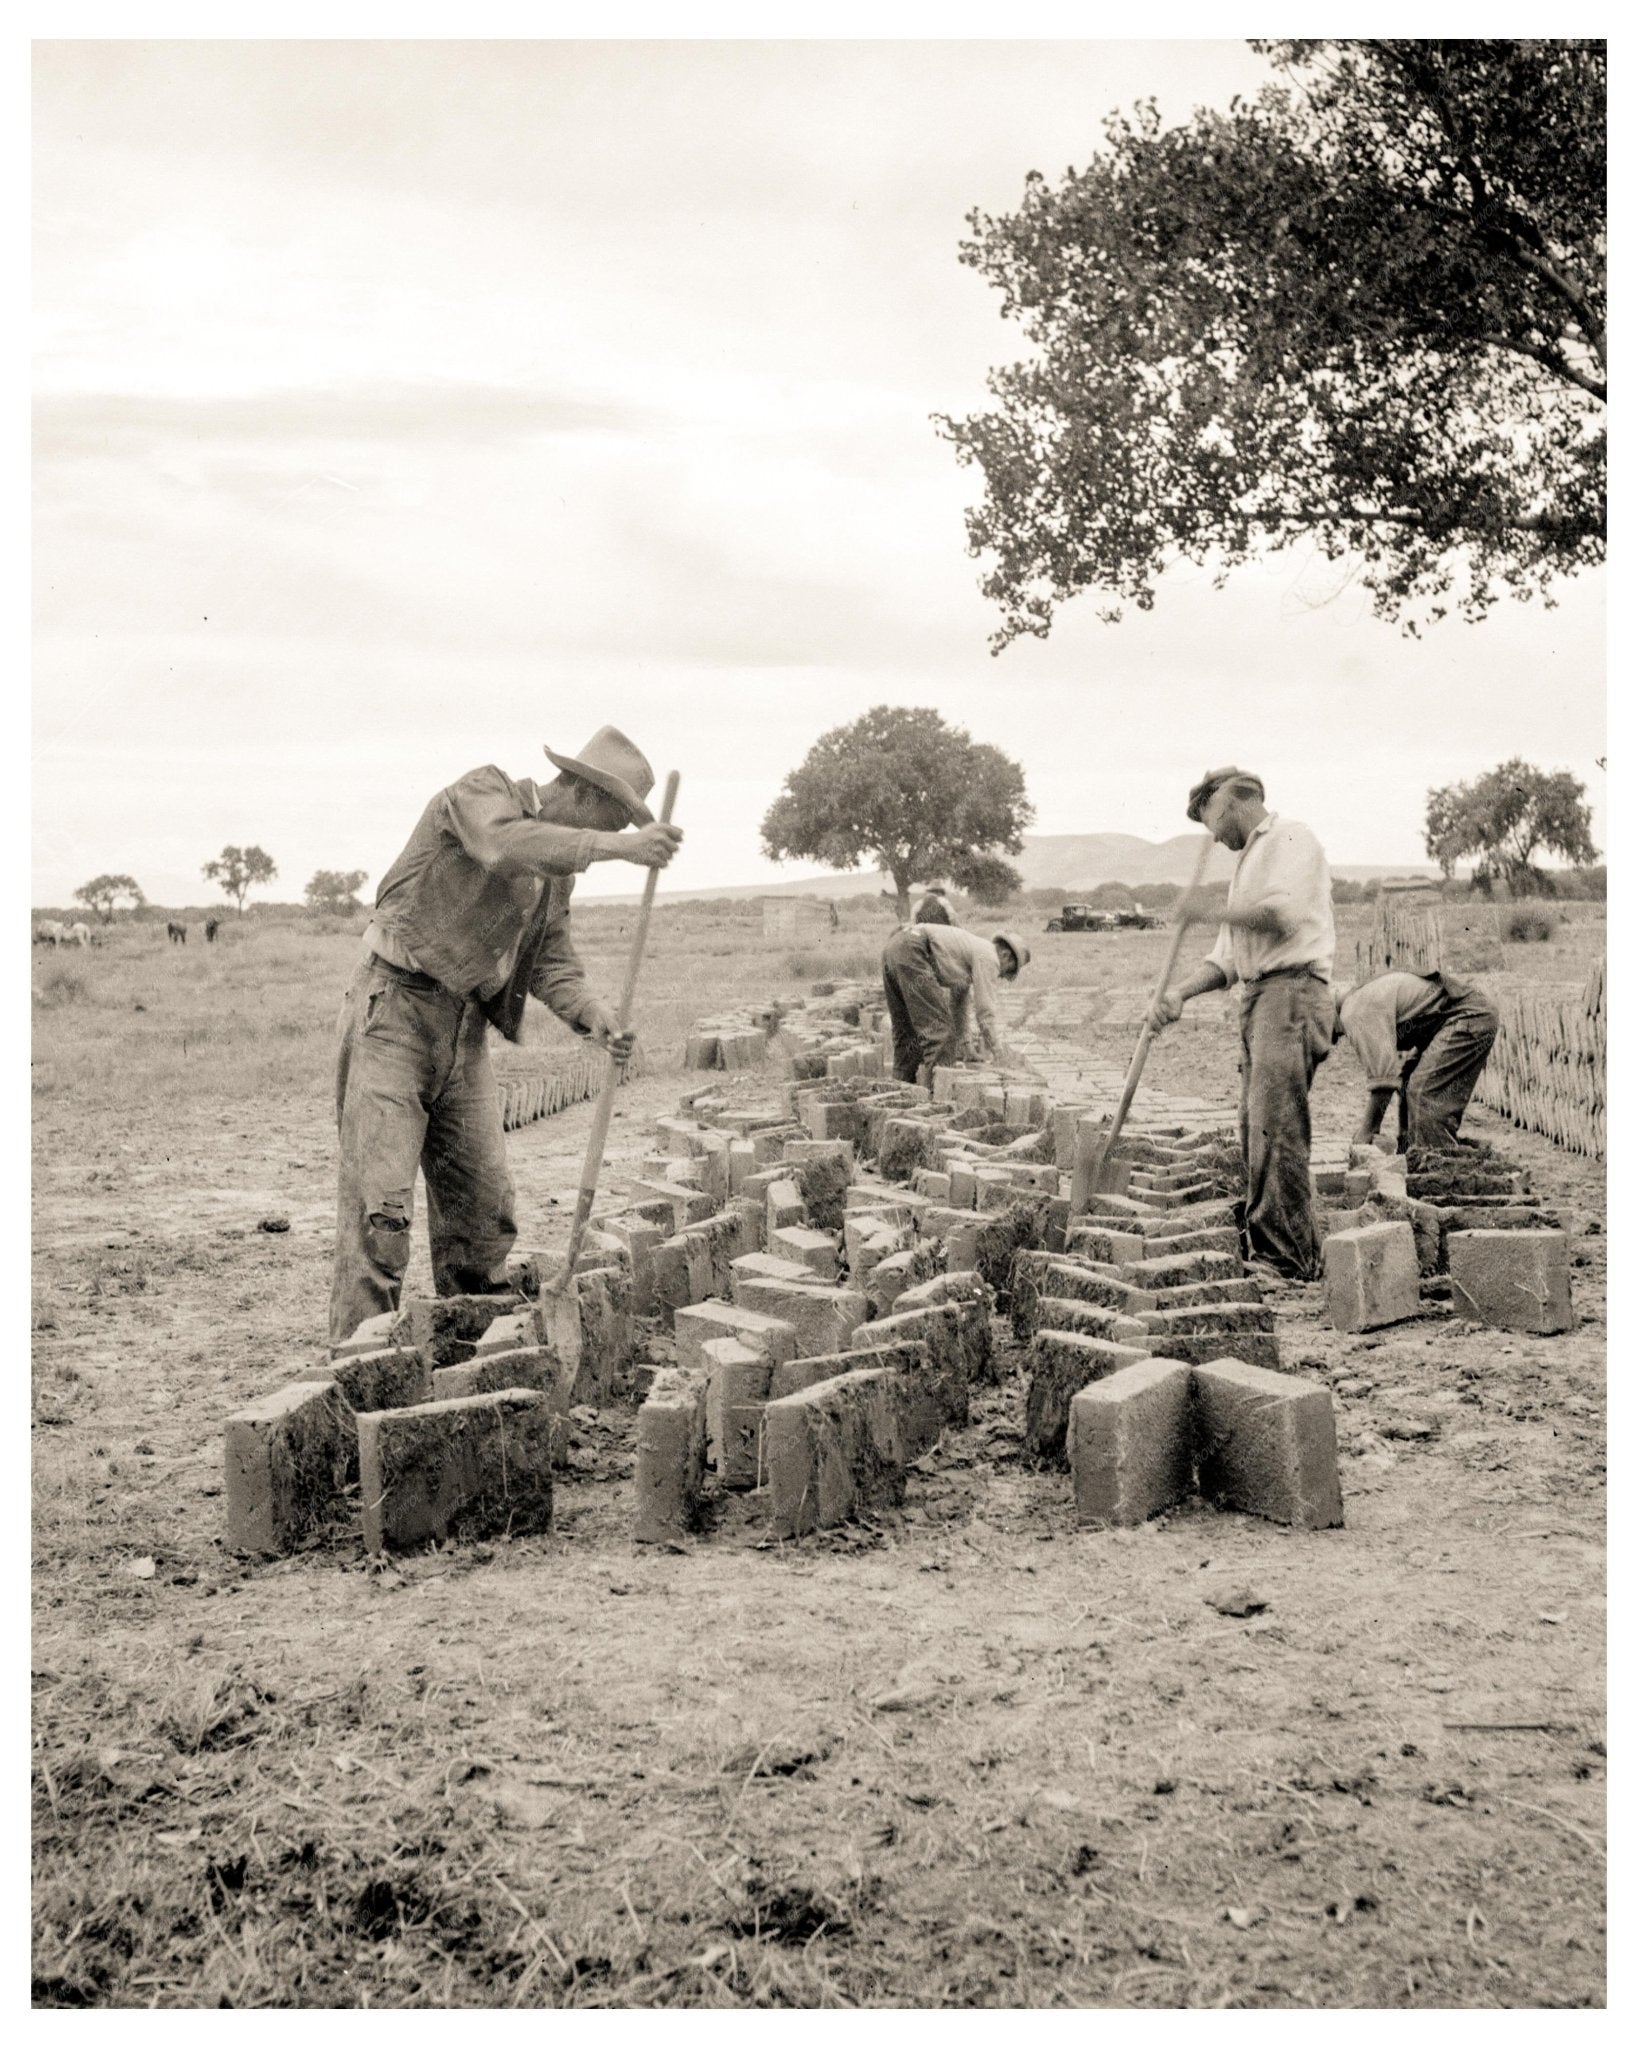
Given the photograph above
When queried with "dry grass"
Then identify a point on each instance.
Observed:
(959, 1757)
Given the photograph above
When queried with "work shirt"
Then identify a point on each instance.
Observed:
(1282, 868)
(479, 900)
(966, 965)
(1376, 1015)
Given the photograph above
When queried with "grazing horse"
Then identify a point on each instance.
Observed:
(176, 933)
(78, 934)
(210, 928)
(48, 932)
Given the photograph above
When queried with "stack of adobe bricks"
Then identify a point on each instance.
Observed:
(850, 1219)
(826, 1251)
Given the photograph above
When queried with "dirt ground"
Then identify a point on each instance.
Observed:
(960, 1756)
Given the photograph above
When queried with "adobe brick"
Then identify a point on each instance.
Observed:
(464, 1469)
(834, 1449)
(1512, 1279)
(1129, 1444)
(285, 1461)
(1371, 1277)
(1266, 1443)
(670, 1464)
(1061, 1362)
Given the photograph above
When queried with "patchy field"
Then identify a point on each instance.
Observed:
(961, 1756)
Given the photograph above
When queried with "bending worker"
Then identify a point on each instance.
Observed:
(940, 983)
(1426, 1037)
(1277, 939)
(470, 920)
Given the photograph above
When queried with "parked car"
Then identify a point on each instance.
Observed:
(1081, 917)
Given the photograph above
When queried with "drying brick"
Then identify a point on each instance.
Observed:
(737, 1380)
(1371, 1277)
(1129, 1444)
(463, 1469)
(824, 1318)
(834, 1449)
(285, 1460)
(815, 1249)
(1266, 1443)
(1512, 1279)
(1061, 1362)
(670, 1463)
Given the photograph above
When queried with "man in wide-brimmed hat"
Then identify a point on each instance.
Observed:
(1277, 940)
(470, 920)
(940, 981)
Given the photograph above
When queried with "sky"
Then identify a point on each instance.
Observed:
(402, 406)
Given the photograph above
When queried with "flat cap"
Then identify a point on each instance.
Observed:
(1213, 779)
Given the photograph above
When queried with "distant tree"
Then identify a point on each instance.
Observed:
(1157, 895)
(917, 796)
(1111, 896)
(103, 894)
(1365, 308)
(238, 870)
(1502, 819)
(335, 891)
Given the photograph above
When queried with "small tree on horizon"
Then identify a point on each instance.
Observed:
(1500, 820)
(920, 798)
(335, 891)
(239, 869)
(103, 893)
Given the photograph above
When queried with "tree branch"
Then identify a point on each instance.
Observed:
(1516, 345)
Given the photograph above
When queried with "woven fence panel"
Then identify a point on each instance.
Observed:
(559, 1084)
(1400, 938)
(1546, 1071)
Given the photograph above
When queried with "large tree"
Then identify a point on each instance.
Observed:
(104, 892)
(1365, 309)
(1500, 821)
(920, 798)
(237, 870)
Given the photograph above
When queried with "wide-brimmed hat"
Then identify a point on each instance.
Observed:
(1213, 779)
(1020, 952)
(612, 764)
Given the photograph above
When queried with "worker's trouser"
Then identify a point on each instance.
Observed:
(921, 1009)
(1286, 1021)
(1438, 1081)
(414, 1087)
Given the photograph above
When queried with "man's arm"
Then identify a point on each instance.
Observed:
(1376, 1108)
(986, 976)
(485, 813)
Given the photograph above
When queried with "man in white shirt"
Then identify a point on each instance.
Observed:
(1277, 941)
(940, 983)
(1426, 1037)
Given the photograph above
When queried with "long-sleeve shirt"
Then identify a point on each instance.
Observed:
(1282, 868)
(479, 899)
(966, 965)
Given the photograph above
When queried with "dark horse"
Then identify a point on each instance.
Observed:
(176, 933)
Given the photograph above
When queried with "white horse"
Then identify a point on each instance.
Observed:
(78, 934)
(48, 932)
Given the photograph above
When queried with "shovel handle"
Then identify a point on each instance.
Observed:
(611, 1078)
(1134, 1072)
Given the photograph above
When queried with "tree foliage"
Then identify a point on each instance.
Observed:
(1501, 820)
(103, 894)
(335, 890)
(920, 798)
(1366, 309)
(239, 869)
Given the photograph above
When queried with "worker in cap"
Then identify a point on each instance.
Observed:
(1275, 942)
(470, 920)
(940, 983)
(1424, 1038)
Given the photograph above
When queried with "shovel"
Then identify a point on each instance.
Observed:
(1103, 1173)
(611, 1079)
